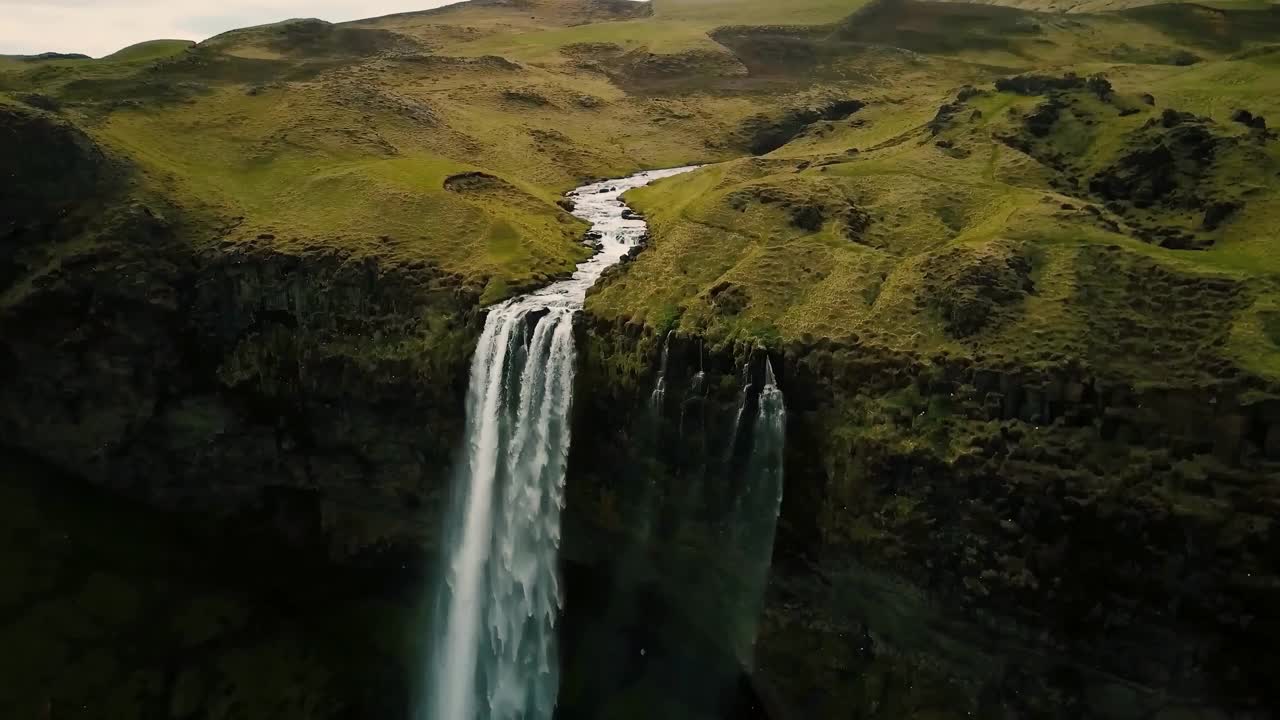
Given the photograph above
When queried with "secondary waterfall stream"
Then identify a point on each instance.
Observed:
(494, 653)
(757, 504)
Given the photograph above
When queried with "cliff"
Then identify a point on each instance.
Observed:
(224, 378)
(955, 539)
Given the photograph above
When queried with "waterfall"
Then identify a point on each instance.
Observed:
(660, 387)
(701, 375)
(731, 445)
(769, 442)
(518, 441)
(493, 650)
(754, 519)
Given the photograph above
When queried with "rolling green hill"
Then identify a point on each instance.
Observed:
(312, 132)
(150, 51)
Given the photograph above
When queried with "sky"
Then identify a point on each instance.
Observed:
(100, 27)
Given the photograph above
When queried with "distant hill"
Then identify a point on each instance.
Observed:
(1103, 6)
(47, 56)
(150, 50)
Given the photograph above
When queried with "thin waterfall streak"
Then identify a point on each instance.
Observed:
(660, 387)
(567, 373)
(732, 444)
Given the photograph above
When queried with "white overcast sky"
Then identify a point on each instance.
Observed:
(100, 27)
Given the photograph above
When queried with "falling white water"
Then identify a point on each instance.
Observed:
(732, 445)
(660, 387)
(754, 521)
(494, 652)
(768, 448)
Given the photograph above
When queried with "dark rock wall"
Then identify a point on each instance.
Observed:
(316, 389)
(1007, 542)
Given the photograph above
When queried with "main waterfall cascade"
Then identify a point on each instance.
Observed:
(494, 653)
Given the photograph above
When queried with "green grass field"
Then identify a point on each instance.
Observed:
(872, 224)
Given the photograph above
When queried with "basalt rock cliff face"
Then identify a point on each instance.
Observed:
(316, 393)
(957, 539)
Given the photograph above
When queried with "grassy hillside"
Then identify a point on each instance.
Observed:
(1030, 224)
(313, 134)
(362, 136)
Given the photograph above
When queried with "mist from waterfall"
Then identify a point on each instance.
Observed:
(493, 650)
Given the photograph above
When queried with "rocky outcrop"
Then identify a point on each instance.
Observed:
(1167, 166)
(1172, 181)
(973, 288)
(762, 134)
(804, 211)
(319, 394)
(642, 72)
